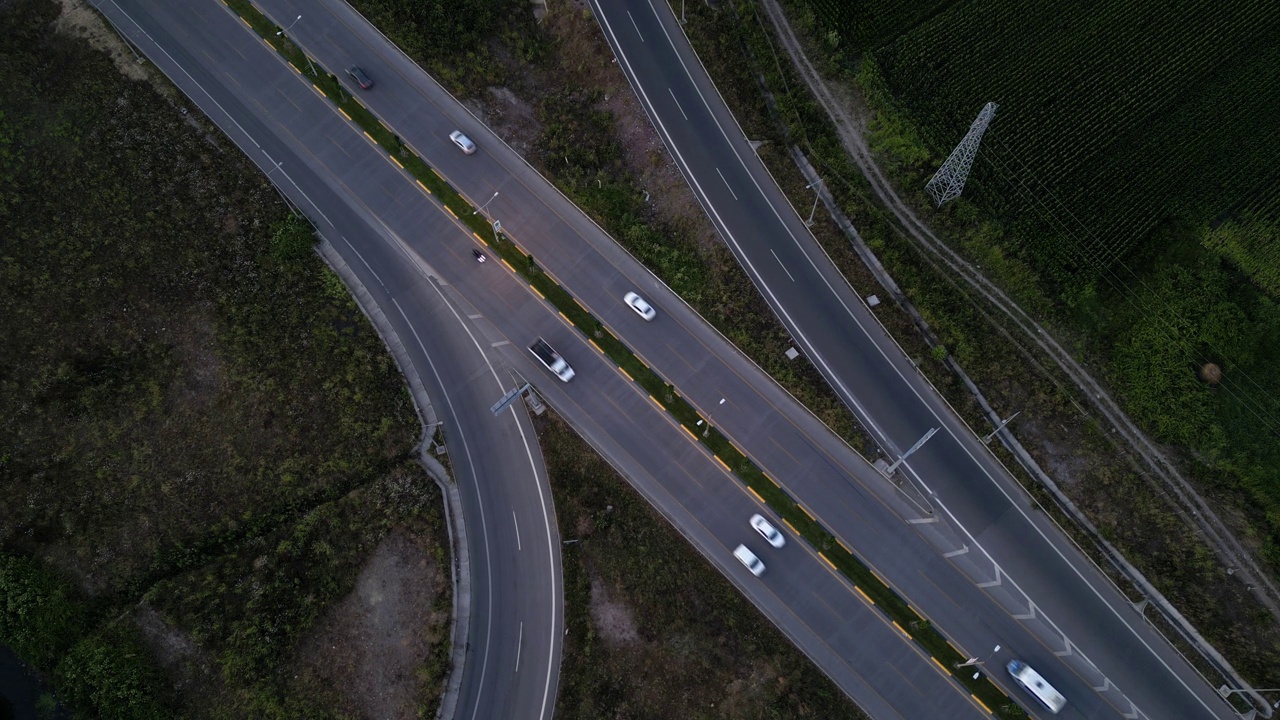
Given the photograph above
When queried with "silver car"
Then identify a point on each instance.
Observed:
(642, 308)
(768, 531)
(462, 141)
(749, 559)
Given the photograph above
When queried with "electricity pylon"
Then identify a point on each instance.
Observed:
(950, 178)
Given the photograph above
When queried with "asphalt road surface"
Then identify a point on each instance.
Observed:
(840, 335)
(382, 223)
(401, 238)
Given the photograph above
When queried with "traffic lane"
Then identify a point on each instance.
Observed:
(278, 119)
(623, 405)
(337, 37)
(983, 507)
(797, 588)
(784, 268)
(487, 623)
(1130, 644)
(516, 637)
(1097, 618)
(988, 516)
(949, 599)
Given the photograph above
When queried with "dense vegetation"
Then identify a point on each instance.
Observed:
(196, 422)
(456, 41)
(1128, 188)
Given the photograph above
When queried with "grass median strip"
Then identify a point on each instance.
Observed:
(664, 395)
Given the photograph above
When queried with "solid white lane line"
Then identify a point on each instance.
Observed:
(677, 102)
(519, 645)
(546, 517)
(784, 267)
(366, 264)
(516, 522)
(726, 183)
(484, 525)
(634, 25)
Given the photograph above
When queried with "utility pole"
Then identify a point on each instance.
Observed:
(1009, 419)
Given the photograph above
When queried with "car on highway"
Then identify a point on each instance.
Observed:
(463, 142)
(1032, 682)
(768, 531)
(642, 308)
(361, 77)
(749, 559)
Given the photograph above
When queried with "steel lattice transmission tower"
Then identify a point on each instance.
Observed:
(950, 178)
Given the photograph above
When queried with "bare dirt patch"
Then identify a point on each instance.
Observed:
(512, 118)
(612, 618)
(369, 646)
(80, 20)
(189, 669)
(584, 60)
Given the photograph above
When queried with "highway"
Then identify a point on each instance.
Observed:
(840, 335)
(381, 222)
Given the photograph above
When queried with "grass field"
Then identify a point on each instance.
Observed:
(204, 449)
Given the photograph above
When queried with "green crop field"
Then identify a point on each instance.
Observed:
(1114, 115)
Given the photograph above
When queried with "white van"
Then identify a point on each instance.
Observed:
(1036, 685)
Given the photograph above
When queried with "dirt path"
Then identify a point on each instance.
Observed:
(1190, 506)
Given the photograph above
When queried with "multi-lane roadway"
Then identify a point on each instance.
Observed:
(405, 249)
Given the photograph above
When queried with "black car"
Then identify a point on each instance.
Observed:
(361, 77)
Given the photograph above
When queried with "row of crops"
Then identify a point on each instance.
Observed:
(1125, 112)
(866, 24)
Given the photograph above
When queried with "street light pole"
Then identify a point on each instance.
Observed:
(707, 430)
(976, 663)
(1008, 420)
(809, 222)
(304, 54)
(480, 209)
(888, 472)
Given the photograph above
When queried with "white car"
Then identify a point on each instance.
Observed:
(749, 559)
(768, 531)
(642, 308)
(462, 141)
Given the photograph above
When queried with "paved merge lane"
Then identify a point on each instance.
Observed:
(840, 336)
(516, 598)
